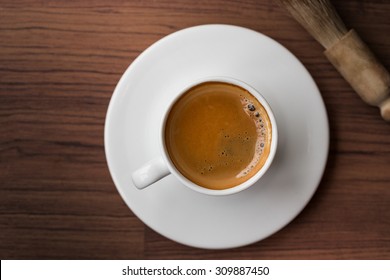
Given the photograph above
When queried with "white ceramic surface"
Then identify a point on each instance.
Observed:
(146, 90)
(162, 166)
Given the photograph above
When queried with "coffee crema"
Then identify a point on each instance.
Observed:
(218, 135)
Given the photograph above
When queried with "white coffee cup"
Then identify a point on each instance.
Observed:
(162, 166)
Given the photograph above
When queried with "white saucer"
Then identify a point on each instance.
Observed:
(151, 81)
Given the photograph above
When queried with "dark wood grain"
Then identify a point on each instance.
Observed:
(59, 64)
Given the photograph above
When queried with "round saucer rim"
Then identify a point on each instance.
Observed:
(115, 96)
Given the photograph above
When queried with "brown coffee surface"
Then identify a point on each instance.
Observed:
(218, 135)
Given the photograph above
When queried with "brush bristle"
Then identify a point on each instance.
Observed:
(319, 18)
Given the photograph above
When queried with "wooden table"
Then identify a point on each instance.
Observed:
(59, 64)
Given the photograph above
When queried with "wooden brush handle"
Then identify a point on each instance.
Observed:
(356, 63)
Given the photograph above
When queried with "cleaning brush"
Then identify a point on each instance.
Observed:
(345, 50)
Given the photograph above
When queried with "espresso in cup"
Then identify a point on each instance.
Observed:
(218, 135)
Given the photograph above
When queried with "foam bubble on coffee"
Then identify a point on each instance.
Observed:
(261, 130)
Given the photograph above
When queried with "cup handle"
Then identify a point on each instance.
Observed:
(149, 173)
